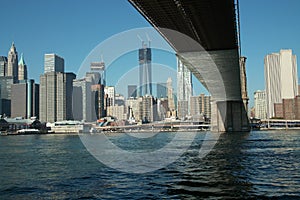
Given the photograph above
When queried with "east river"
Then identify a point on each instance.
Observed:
(255, 165)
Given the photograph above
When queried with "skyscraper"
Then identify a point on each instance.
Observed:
(109, 92)
(200, 106)
(53, 63)
(55, 91)
(5, 94)
(3, 65)
(171, 102)
(25, 99)
(280, 78)
(260, 104)
(12, 64)
(99, 67)
(145, 71)
(22, 69)
(98, 95)
(98, 88)
(184, 88)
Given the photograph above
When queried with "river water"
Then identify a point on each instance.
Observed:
(256, 165)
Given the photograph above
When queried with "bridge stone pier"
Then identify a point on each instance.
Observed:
(204, 35)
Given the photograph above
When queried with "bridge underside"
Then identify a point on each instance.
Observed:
(204, 35)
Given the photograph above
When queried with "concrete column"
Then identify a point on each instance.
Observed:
(229, 116)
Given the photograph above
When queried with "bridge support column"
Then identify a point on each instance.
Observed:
(229, 116)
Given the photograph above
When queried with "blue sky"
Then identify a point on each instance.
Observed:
(73, 28)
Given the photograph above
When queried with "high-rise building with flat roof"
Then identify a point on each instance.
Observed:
(5, 95)
(25, 99)
(53, 63)
(200, 106)
(260, 104)
(171, 101)
(100, 105)
(12, 63)
(3, 65)
(55, 91)
(145, 71)
(281, 78)
(56, 96)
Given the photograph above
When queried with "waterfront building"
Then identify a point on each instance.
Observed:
(12, 63)
(132, 91)
(56, 96)
(184, 89)
(200, 106)
(161, 90)
(3, 65)
(53, 63)
(56, 88)
(5, 95)
(25, 99)
(289, 109)
(280, 78)
(22, 69)
(145, 71)
(260, 104)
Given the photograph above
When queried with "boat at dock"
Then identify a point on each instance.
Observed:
(28, 131)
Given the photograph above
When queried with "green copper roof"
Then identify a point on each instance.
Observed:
(21, 61)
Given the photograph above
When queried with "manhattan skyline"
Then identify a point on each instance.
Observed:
(74, 29)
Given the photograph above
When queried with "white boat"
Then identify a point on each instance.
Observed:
(28, 131)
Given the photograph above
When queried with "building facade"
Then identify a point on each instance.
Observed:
(133, 109)
(171, 101)
(260, 104)
(99, 100)
(280, 78)
(12, 63)
(25, 99)
(56, 90)
(184, 89)
(3, 65)
(200, 106)
(56, 96)
(109, 92)
(53, 63)
(22, 69)
(5, 93)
